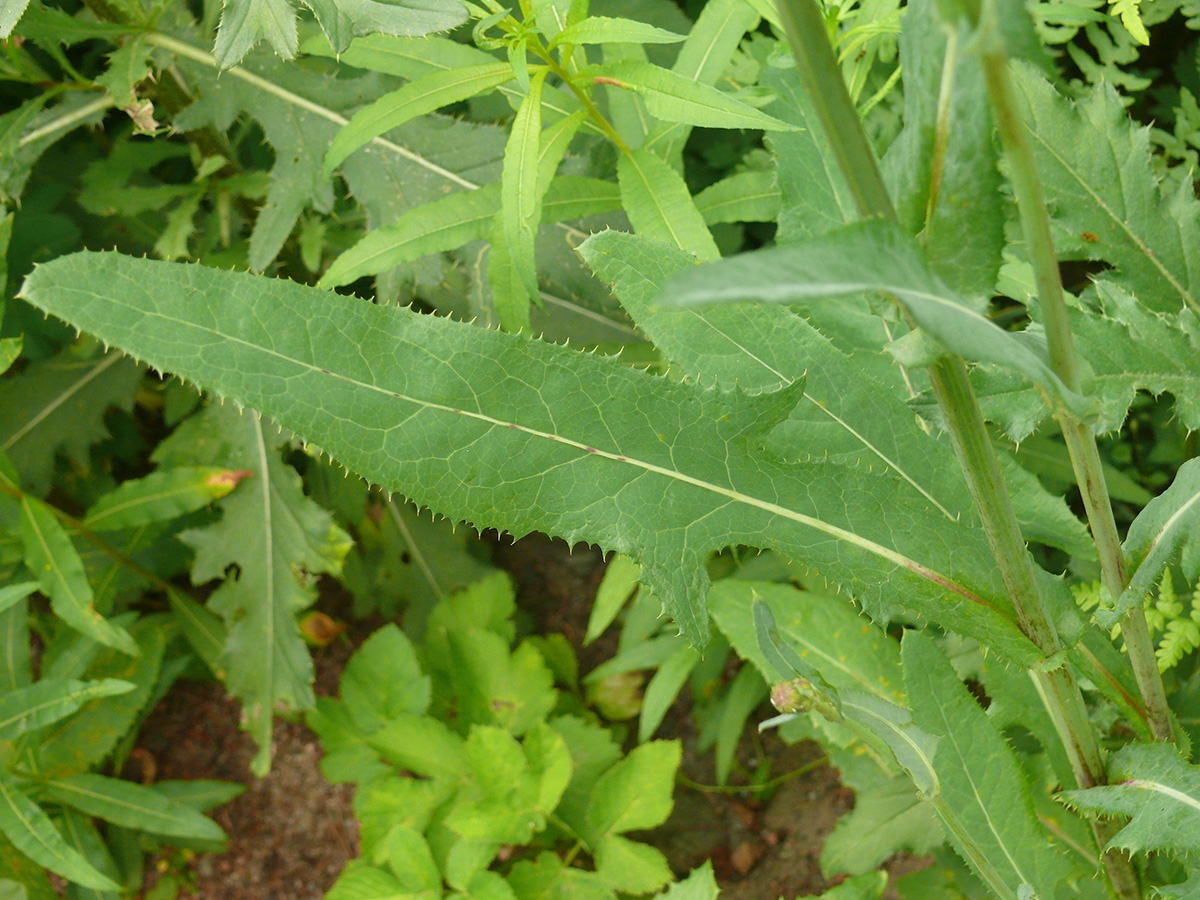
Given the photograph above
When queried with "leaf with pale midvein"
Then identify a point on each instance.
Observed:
(676, 98)
(467, 216)
(660, 206)
(1169, 523)
(1158, 790)
(131, 805)
(425, 95)
(29, 708)
(342, 19)
(852, 408)
(1098, 175)
(875, 255)
(742, 197)
(53, 560)
(520, 201)
(31, 831)
(407, 57)
(475, 424)
(276, 539)
(611, 30)
(703, 58)
(992, 823)
(963, 184)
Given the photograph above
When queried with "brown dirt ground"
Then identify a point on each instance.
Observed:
(291, 832)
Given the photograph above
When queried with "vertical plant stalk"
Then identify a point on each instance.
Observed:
(972, 444)
(823, 82)
(1079, 437)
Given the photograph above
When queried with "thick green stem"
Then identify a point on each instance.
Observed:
(818, 67)
(972, 444)
(1079, 437)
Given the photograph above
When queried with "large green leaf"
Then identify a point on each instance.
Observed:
(853, 409)
(469, 422)
(876, 255)
(276, 538)
(984, 801)
(1099, 179)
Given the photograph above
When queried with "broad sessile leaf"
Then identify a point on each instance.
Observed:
(466, 421)
(1160, 793)
(1099, 181)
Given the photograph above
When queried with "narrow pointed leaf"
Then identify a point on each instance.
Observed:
(12, 594)
(703, 59)
(459, 219)
(29, 708)
(52, 557)
(609, 30)
(133, 806)
(467, 421)
(407, 57)
(425, 95)
(1170, 522)
(160, 496)
(871, 256)
(660, 206)
(31, 831)
(520, 202)
(676, 98)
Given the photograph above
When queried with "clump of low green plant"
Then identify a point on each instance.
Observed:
(474, 771)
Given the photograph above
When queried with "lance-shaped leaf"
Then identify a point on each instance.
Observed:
(467, 216)
(1158, 790)
(676, 98)
(610, 30)
(52, 558)
(476, 424)
(160, 496)
(875, 255)
(425, 95)
(743, 197)
(703, 59)
(521, 203)
(31, 831)
(132, 805)
(1170, 522)
(660, 206)
(28, 708)
(984, 802)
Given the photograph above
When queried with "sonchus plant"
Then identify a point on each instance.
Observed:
(782, 425)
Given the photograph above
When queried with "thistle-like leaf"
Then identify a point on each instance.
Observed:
(1158, 790)
(472, 423)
